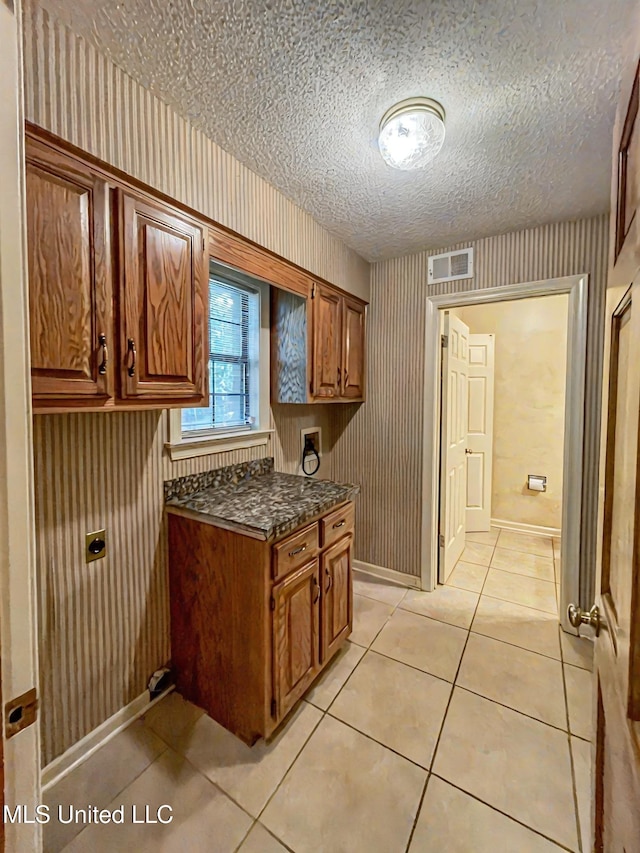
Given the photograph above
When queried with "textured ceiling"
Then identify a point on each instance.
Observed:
(295, 90)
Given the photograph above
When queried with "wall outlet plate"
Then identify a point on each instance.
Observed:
(95, 545)
(314, 434)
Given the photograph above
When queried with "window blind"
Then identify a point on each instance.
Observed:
(233, 360)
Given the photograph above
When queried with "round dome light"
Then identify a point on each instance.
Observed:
(411, 133)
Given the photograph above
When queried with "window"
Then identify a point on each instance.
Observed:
(238, 410)
(234, 346)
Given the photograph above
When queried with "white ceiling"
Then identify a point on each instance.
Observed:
(295, 90)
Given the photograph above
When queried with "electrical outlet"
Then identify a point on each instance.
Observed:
(95, 545)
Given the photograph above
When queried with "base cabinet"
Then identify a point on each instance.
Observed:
(296, 631)
(337, 599)
(253, 623)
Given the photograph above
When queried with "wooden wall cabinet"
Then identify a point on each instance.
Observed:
(70, 277)
(254, 625)
(118, 287)
(317, 347)
(163, 313)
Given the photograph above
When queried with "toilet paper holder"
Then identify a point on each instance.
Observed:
(536, 483)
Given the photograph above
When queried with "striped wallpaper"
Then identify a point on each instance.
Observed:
(380, 444)
(104, 626)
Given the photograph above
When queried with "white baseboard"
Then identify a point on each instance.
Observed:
(532, 529)
(387, 574)
(80, 751)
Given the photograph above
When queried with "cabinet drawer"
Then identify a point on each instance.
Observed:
(295, 550)
(335, 525)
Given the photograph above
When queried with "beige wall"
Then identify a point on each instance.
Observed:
(528, 425)
(380, 444)
(104, 627)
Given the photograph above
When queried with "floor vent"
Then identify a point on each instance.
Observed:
(450, 266)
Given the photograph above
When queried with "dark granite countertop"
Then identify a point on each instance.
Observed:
(265, 505)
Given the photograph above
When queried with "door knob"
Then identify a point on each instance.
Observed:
(578, 617)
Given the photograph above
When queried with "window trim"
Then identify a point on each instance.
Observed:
(182, 445)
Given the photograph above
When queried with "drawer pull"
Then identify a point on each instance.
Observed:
(298, 550)
(339, 524)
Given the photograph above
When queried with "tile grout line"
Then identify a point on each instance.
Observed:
(504, 814)
(444, 718)
(324, 714)
(135, 779)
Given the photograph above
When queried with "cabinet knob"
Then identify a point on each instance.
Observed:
(131, 344)
(102, 342)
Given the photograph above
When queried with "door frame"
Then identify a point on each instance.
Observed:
(17, 538)
(576, 286)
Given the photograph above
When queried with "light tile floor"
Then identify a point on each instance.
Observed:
(453, 721)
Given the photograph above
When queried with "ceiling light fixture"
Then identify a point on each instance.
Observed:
(411, 133)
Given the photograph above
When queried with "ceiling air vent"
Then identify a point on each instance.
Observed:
(450, 266)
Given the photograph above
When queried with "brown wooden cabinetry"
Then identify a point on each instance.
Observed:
(352, 367)
(326, 366)
(338, 345)
(337, 596)
(296, 632)
(117, 289)
(70, 291)
(162, 308)
(253, 627)
(317, 347)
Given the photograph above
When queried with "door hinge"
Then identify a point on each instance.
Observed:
(272, 603)
(444, 340)
(273, 707)
(20, 713)
(441, 540)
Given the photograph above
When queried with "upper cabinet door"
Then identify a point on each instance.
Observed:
(353, 345)
(163, 297)
(326, 342)
(69, 279)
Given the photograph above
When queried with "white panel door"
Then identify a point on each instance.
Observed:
(480, 432)
(453, 443)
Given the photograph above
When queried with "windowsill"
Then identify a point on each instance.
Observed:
(222, 443)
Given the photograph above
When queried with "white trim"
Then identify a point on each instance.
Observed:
(223, 443)
(91, 743)
(18, 590)
(577, 288)
(183, 446)
(410, 581)
(531, 529)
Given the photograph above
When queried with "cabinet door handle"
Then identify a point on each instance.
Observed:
(298, 550)
(346, 378)
(102, 341)
(339, 524)
(131, 344)
(317, 587)
(330, 578)
(338, 376)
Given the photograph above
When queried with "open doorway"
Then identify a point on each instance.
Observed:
(481, 479)
(503, 384)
